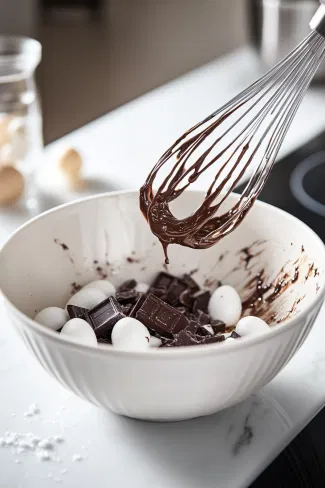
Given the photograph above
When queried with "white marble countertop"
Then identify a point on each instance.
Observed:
(228, 449)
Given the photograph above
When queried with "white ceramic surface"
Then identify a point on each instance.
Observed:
(170, 384)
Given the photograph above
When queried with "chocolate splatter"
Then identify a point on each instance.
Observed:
(102, 274)
(61, 244)
(75, 287)
(132, 260)
(261, 293)
(193, 271)
(65, 248)
(248, 256)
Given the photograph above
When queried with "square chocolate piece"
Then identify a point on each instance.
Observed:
(104, 316)
(127, 296)
(202, 317)
(218, 326)
(137, 305)
(186, 299)
(201, 301)
(191, 284)
(162, 281)
(175, 290)
(78, 312)
(161, 317)
(127, 285)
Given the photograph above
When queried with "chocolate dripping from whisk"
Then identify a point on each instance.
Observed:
(193, 230)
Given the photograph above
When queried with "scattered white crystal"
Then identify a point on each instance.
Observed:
(32, 410)
(77, 458)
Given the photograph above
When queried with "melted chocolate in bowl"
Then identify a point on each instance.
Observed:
(267, 297)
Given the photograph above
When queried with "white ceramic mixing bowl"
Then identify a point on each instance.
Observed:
(78, 242)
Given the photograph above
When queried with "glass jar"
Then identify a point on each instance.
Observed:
(21, 139)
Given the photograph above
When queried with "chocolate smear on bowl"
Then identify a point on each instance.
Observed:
(248, 253)
(265, 298)
(61, 244)
(101, 273)
(65, 248)
(75, 287)
(132, 260)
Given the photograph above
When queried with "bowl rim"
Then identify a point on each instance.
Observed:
(170, 353)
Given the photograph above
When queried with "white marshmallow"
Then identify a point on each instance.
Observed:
(142, 287)
(225, 305)
(104, 285)
(251, 325)
(52, 317)
(87, 298)
(80, 331)
(154, 341)
(130, 334)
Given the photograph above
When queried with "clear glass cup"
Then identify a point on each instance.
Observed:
(21, 136)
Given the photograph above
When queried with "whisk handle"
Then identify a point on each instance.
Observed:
(317, 23)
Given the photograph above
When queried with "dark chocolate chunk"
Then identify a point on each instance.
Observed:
(126, 308)
(202, 317)
(159, 292)
(127, 285)
(191, 284)
(211, 339)
(181, 309)
(127, 296)
(104, 316)
(176, 288)
(162, 281)
(201, 301)
(191, 317)
(137, 304)
(192, 326)
(184, 338)
(186, 299)
(78, 312)
(204, 331)
(218, 326)
(104, 340)
(234, 335)
(161, 317)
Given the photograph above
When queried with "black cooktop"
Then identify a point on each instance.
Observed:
(297, 185)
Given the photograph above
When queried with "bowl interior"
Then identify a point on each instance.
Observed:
(106, 236)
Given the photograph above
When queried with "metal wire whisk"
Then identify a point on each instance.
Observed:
(244, 135)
